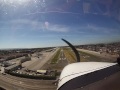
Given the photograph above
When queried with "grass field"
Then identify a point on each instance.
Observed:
(69, 54)
(54, 63)
(55, 57)
(89, 57)
(84, 56)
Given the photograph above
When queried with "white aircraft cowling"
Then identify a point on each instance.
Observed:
(74, 70)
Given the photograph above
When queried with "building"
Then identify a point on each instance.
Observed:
(42, 71)
(3, 70)
(12, 67)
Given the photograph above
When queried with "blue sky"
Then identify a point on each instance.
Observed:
(42, 23)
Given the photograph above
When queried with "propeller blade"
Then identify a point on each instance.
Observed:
(74, 49)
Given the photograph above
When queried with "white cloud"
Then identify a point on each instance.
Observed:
(34, 25)
(37, 26)
(98, 29)
(58, 28)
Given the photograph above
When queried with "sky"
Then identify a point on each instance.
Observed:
(42, 23)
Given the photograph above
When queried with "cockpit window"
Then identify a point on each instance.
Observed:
(41, 23)
(32, 51)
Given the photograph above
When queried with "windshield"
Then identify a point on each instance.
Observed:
(42, 23)
(31, 33)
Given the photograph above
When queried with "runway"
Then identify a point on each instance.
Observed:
(62, 55)
(37, 63)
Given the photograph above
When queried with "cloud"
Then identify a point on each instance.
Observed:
(53, 36)
(106, 30)
(35, 25)
(98, 29)
(58, 28)
(38, 26)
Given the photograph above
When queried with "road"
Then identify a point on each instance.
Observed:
(15, 83)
